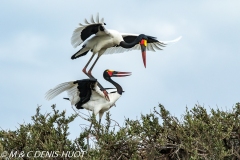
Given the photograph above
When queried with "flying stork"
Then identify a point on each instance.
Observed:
(86, 94)
(98, 39)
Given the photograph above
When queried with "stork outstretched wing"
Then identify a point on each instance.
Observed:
(152, 44)
(84, 31)
(69, 87)
(76, 90)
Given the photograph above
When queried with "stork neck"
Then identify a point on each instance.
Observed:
(132, 44)
(119, 88)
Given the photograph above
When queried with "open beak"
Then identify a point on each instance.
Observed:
(121, 74)
(143, 44)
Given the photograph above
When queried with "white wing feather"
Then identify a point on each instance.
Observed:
(172, 41)
(150, 46)
(73, 92)
(59, 89)
(76, 36)
(69, 87)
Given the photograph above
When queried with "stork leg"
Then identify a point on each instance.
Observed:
(100, 118)
(99, 124)
(89, 132)
(90, 70)
(88, 136)
(84, 69)
(99, 54)
(89, 74)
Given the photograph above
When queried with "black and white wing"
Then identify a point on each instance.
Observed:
(84, 31)
(152, 44)
(69, 87)
(75, 90)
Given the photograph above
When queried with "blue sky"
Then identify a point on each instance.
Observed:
(203, 67)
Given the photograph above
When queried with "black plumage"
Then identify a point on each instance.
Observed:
(85, 87)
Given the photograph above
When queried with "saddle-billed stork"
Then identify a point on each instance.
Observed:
(86, 94)
(98, 39)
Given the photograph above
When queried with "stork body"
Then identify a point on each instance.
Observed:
(105, 41)
(86, 94)
(99, 44)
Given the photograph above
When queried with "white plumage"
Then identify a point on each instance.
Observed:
(76, 40)
(69, 87)
(97, 102)
(96, 38)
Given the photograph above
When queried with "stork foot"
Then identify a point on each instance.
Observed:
(106, 95)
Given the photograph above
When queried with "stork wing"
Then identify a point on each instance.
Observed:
(70, 87)
(153, 44)
(84, 31)
(73, 94)
(74, 89)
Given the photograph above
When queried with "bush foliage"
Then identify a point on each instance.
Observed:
(158, 135)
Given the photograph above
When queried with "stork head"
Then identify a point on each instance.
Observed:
(111, 73)
(143, 44)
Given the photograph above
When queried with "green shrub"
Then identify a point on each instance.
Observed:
(158, 135)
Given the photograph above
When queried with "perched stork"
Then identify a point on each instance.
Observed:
(86, 94)
(106, 41)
